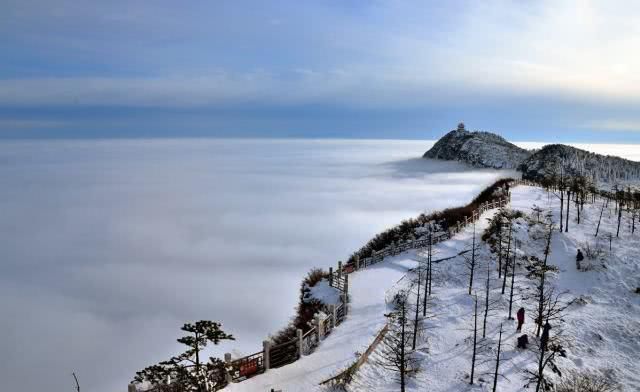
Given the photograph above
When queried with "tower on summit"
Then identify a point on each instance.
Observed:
(461, 126)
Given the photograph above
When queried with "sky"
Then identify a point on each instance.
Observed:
(548, 70)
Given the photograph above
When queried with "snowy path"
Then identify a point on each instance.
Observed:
(367, 288)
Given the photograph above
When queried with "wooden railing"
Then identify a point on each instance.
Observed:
(242, 368)
(346, 375)
(436, 238)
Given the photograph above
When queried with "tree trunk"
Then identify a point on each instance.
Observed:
(541, 288)
(619, 220)
(513, 277)
(495, 376)
(540, 368)
(506, 260)
(486, 303)
(415, 321)
(402, 349)
(566, 223)
(600, 219)
(430, 264)
(500, 246)
(475, 339)
(561, 208)
(473, 258)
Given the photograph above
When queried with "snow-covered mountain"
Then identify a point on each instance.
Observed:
(574, 161)
(485, 149)
(480, 149)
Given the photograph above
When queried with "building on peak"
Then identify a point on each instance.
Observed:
(461, 127)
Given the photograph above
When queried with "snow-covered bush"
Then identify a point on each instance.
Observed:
(307, 307)
(593, 251)
(406, 230)
(586, 382)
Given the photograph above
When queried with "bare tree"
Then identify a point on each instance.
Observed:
(541, 273)
(547, 350)
(395, 354)
(555, 179)
(513, 277)
(496, 374)
(428, 266)
(475, 339)
(416, 320)
(600, 219)
(471, 260)
(506, 260)
(76, 380)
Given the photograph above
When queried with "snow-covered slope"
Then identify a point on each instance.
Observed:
(479, 149)
(601, 330)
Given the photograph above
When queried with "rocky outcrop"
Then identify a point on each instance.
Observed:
(479, 149)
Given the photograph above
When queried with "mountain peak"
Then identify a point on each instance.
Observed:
(480, 149)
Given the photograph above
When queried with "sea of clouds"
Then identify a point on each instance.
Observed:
(109, 246)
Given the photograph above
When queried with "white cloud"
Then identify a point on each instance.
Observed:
(615, 125)
(109, 246)
(389, 54)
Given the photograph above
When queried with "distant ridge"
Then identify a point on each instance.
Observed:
(479, 149)
(488, 150)
(574, 161)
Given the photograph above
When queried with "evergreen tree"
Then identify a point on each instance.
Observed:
(189, 370)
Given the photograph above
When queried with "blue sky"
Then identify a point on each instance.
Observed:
(561, 70)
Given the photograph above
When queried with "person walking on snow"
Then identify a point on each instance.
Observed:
(545, 335)
(520, 316)
(579, 258)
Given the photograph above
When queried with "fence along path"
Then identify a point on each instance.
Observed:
(271, 356)
(424, 242)
(346, 375)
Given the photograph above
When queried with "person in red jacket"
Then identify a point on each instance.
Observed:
(520, 316)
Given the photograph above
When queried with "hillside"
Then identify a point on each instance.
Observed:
(479, 149)
(598, 329)
(574, 161)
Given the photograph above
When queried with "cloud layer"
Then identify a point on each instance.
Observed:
(109, 246)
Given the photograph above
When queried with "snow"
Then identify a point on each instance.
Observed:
(325, 293)
(602, 329)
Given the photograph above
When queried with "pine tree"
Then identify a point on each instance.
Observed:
(188, 370)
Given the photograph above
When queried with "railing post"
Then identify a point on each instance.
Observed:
(227, 361)
(333, 315)
(344, 303)
(299, 335)
(318, 321)
(132, 388)
(266, 348)
(339, 269)
(331, 276)
(346, 284)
